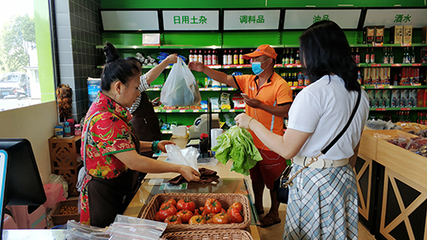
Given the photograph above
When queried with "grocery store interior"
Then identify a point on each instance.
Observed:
(388, 43)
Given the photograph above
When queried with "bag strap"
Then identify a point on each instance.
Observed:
(326, 149)
(345, 127)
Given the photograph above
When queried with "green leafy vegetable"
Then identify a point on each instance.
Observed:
(237, 145)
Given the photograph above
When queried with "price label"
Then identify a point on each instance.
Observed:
(168, 111)
(380, 109)
(181, 111)
(405, 109)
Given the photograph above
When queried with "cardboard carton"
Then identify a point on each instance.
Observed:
(379, 34)
(407, 34)
(396, 34)
(369, 34)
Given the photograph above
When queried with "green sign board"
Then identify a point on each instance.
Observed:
(417, 17)
(251, 19)
(190, 20)
(303, 18)
(133, 20)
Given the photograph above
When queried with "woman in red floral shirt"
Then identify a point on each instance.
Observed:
(111, 148)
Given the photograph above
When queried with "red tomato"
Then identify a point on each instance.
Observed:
(223, 210)
(212, 206)
(209, 217)
(185, 215)
(199, 211)
(237, 205)
(221, 218)
(166, 211)
(157, 217)
(171, 201)
(236, 216)
(185, 204)
(197, 219)
(173, 219)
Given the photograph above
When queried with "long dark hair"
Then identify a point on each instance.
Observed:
(115, 68)
(324, 50)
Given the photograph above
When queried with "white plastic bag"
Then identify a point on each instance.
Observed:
(180, 88)
(187, 156)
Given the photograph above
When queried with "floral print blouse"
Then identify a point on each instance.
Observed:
(109, 133)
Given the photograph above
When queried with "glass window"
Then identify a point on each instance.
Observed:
(19, 61)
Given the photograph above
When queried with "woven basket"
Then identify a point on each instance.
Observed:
(209, 235)
(226, 199)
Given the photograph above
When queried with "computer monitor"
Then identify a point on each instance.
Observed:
(23, 182)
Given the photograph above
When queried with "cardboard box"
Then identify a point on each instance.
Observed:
(404, 97)
(396, 34)
(420, 98)
(395, 98)
(378, 98)
(369, 34)
(386, 99)
(371, 97)
(412, 101)
(379, 34)
(407, 34)
(424, 35)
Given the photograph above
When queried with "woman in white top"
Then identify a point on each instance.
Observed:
(323, 198)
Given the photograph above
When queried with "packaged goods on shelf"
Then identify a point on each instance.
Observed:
(215, 103)
(412, 100)
(379, 34)
(395, 98)
(371, 97)
(225, 101)
(407, 34)
(396, 34)
(378, 124)
(238, 102)
(420, 97)
(386, 99)
(404, 97)
(378, 98)
(369, 34)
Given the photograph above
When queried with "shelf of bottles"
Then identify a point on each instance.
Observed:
(197, 110)
(208, 89)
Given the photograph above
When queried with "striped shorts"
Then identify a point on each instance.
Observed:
(322, 204)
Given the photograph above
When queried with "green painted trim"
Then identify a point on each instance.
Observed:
(398, 109)
(253, 4)
(394, 87)
(44, 50)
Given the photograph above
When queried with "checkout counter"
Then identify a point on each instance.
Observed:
(392, 187)
(229, 182)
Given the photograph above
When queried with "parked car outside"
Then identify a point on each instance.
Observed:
(14, 83)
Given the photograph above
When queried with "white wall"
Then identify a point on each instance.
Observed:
(35, 123)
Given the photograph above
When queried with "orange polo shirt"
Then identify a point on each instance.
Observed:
(275, 92)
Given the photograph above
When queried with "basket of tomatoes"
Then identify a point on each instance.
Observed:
(199, 211)
(235, 234)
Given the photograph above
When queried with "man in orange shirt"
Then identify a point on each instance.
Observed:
(268, 98)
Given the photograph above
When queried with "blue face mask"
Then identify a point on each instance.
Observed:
(256, 67)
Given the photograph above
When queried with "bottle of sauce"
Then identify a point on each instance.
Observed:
(241, 59)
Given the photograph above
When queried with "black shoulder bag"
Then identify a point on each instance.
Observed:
(281, 183)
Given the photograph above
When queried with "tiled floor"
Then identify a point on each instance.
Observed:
(275, 232)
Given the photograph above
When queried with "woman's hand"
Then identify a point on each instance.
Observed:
(172, 58)
(161, 145)
(189, 173)
(242, 120)
(196, 66)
